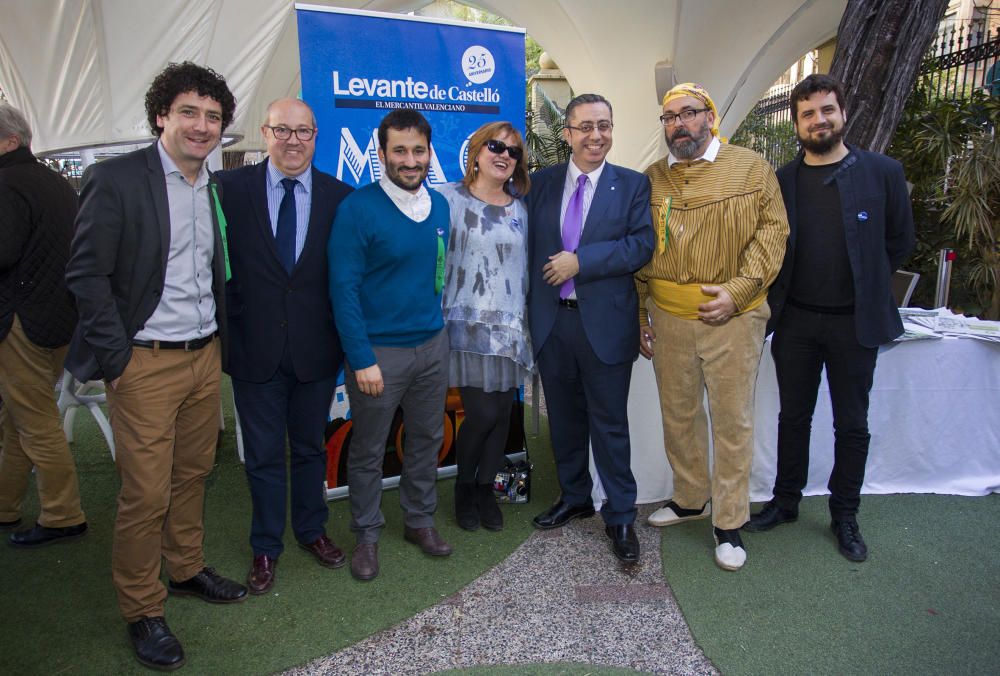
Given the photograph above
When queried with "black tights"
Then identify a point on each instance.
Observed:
(483, 434)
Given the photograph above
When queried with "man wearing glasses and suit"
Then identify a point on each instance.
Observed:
(589, 232)
(284, 353)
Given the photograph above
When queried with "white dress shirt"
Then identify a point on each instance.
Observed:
(416, 206)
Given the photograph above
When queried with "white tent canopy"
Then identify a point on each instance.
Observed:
(79, 68)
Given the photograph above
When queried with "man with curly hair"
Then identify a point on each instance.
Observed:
(148, 270)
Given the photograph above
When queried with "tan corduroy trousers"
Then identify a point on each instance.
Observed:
(33, 434)
(165, 419)
(691, 356)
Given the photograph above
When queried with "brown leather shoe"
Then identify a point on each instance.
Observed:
(260, 579)
(327, 553)
(428, 539)
(364, 562)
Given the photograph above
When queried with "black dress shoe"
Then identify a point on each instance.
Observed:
(10, 525)
(562, 513)
(624, 542)
(39, 535)
(770, 516)
(155, 645)
(209, 586)
(849, 540)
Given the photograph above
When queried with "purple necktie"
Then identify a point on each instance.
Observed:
(572, 226)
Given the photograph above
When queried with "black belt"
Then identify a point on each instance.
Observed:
(186, 345)
(570, 303)
(822, 309)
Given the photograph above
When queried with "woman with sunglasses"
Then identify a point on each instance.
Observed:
(486, 282)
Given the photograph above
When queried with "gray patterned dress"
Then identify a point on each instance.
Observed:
(486, 283)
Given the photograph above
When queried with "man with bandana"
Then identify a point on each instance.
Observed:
(721, 229)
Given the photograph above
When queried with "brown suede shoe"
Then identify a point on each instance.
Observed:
(260, 579)
(428, 539)
(364, 562)
(327, 553)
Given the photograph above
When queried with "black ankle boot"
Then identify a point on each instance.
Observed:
(489, 510)
(466, 512)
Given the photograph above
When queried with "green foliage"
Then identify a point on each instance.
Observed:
(544, 137)
(951, 155)
(775, 141)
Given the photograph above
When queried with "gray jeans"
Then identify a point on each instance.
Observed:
(416, 379)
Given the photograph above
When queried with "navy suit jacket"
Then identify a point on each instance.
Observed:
(878, 226)
(266, 306)
(118, 261)
(617, 240)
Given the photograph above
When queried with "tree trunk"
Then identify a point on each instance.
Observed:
(880, 45)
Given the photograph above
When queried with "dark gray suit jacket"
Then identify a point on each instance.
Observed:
(118, 262)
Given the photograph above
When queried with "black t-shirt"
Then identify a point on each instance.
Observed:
(822, 273)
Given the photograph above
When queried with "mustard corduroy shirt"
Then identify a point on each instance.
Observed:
(727, 226)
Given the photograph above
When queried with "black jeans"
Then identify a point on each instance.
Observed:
(804, 342)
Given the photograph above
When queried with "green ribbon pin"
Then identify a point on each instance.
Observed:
(222, 228)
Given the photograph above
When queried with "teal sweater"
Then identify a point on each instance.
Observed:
(382, 271)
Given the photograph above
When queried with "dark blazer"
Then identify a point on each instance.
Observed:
(265, 303)
(617, 240)
(37, 210)
(878, 225)
(118, 261)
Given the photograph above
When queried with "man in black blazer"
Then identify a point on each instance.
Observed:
(582, 310)
(37, 316)
(147, 269)
(284, 352)
(832, 305)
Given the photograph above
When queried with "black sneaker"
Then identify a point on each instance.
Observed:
(155, 645)
(770, 516)
(849, 540)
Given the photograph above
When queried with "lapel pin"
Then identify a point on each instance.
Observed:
(862, 215)
(612, 187)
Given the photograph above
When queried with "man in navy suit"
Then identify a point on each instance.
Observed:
(590, 230)
(284, 352)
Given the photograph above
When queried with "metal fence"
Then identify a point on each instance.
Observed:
(961, 60)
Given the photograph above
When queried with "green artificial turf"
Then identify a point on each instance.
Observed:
(927, 601)
(58, 613)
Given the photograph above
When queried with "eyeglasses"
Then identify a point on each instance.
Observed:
(669, 119)
(284, 133)
(587, 127)
(497, 148)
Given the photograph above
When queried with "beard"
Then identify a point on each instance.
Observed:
(823, 144)
(392, 171)
(684, 144)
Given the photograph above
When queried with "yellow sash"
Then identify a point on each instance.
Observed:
(682, 300)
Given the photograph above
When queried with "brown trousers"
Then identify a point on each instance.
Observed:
(33, 434)
(165, 419)
(690, 357)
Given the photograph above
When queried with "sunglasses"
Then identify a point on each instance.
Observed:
(497, 148)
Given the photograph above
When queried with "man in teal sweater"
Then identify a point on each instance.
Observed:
(386, 254)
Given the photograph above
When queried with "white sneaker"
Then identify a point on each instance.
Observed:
(729, 551)
(670, 513)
